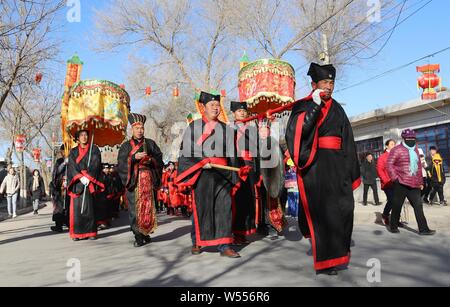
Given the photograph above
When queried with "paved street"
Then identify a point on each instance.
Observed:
(31, 255)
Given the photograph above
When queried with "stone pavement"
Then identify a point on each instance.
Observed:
(31, 255)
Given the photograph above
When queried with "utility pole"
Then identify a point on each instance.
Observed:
(324, 55)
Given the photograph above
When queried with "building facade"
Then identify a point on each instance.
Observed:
(430, 119)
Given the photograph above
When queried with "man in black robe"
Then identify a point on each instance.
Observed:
(321, 144)
(103, 206)
(245, 203)
(208, 142)
(140, 169)
(117, 191)
(60, 198)
(84, 168)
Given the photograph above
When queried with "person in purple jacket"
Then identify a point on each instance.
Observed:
(405, 169)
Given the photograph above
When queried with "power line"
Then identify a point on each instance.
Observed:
(354, 54)
(323, 22)
(390, 35)
(393, 70)
(363, 21)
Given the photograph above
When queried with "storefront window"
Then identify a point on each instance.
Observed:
(374, 146)
(436, 136)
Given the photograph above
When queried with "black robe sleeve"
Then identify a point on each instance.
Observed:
(301, 132)
(191, 158)
(122, 160)
(351, 155)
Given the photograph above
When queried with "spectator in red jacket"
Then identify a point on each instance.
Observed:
(386, 182)
(405, 170)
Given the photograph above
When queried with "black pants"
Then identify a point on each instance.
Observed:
(375, 193)
(390, 198)
(439, 189)
(427, 188)
(413, 194)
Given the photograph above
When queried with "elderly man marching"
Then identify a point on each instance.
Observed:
(140, 167)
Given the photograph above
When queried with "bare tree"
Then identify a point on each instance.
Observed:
(276, 28)
(193, 50)
(26, 41)
(33, 111)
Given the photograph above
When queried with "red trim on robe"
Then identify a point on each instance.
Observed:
(72, 233)
(356, 184)
(318, 265)
(197, 168)
(330, 142)
(199, 242)
(209, 128)
(82, 152)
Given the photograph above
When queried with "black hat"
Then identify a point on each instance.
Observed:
(237, 105)
(134, 118)
(321, 72)
(77, 134)
(207, 97)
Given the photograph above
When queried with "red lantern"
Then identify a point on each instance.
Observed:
(38, 77)
(223, 93)
(148, 91)
(19, 143)
(37, 154)
(429, 80)
(176, 92)
(122, 86)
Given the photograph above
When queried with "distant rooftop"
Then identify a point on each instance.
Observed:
(404, 108)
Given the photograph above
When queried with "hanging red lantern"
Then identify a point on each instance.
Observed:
(176, 92)
(38, 77)
(429, 80)
(148, 90)
(19, 142)
(37, 154)
(223, 93)
(122, 86)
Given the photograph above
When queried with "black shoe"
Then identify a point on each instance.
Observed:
(138, 244)
(196, 250)
(75, 240)
(393, 230)
(147, 239)
(92, 238)
(428, 232)
(329, 272)
(35, 212)
(56, 229)
(426, 201)
(102, 227)
(139, 241)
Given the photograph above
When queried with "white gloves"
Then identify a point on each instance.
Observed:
(207, 166)
(316, 96)
(84, 181)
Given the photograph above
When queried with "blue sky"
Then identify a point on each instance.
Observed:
(424, 33)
